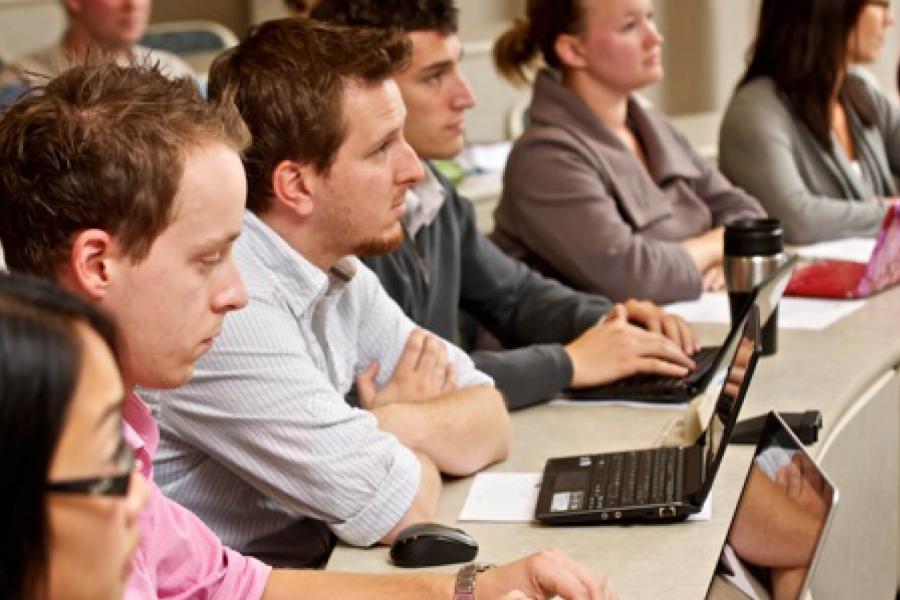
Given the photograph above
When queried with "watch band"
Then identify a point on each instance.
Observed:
(465, 580)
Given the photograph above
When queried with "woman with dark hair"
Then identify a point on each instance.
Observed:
(600, 191)
(69, 494)
(815, 143)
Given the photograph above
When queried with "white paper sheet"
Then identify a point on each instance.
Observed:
(512, 497)
(622, 403)
(705, 513)
(485, 158)
(855, 249)
(812, 314)
(502, 497)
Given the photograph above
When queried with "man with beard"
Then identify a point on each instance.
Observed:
(261, 444)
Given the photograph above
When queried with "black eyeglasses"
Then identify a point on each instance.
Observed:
(111, 485)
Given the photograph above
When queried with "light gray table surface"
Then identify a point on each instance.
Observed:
(830, 370)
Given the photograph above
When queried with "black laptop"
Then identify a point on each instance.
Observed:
(736, 577)
(651, 387)
(657, 484)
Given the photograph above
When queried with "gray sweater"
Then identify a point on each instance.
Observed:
(770, 153)
(578, 206)
(449, 266)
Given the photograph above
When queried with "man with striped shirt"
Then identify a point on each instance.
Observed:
(261, 444)
(127, 189)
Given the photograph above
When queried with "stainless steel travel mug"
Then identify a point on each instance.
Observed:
(754, 249)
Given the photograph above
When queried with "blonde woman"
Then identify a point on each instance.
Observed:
(600, 191)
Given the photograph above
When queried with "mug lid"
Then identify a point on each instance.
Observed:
(753, 237)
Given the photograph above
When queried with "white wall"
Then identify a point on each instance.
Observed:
(706, 43)
(26, 25)
(704, 55)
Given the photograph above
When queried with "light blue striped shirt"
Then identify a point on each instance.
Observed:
(262, 436)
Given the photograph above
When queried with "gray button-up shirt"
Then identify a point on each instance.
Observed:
(262, 436)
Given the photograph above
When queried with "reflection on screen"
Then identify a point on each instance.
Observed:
(729, 380)
(796, 500)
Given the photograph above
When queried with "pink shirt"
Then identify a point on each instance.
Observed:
(179, 557)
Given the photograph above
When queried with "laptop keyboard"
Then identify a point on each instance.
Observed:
(647, 383)
(634, 478)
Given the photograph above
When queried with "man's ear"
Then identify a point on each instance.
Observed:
(89, 267)
(294, 186)
(570, 51)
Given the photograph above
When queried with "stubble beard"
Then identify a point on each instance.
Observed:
(385, 244)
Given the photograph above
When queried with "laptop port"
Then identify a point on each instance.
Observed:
(667, 511)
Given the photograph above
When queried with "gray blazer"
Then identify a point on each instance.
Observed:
(579, 207)
(766, 150)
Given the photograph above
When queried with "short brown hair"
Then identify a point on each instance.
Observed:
(288, 79)
(100, 146)
(406, 15)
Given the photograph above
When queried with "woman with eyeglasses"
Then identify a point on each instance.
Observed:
(816, 143)
(69, 493)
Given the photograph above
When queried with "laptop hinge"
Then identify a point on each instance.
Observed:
(693, 471)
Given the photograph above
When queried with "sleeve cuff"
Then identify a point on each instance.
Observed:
(248, 578)
(387, 507)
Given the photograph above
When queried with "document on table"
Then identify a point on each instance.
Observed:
(512, 497)
(621, 403)
(502, 497)
(855, 249)
(812, 314)
(485, 158)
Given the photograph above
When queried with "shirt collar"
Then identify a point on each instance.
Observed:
(665, 155)
(555, 105)
(306, 283)
(423, 202)
(141, 432)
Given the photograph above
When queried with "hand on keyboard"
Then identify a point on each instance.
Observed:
(614, 349)
(653, 318)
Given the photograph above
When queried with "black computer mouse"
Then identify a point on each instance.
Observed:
(431, 544)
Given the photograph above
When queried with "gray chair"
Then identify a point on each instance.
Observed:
(197, 42)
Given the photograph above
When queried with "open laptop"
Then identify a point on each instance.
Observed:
(738, 579)
(834, 278)
(651, 387)
(658, 484)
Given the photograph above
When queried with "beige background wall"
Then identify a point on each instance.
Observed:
(706, 41)
(704, 53)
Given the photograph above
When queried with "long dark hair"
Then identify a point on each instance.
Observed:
(803, 46)
(40, 358)
(546, 20)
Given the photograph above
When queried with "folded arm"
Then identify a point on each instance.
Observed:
(462, 432)
(261, 407)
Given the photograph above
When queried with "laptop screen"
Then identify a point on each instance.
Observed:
(729, 383)
(732, 376)
(783, 516)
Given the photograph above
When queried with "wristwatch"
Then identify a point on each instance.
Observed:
(465, 580)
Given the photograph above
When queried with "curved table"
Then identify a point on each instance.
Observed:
(847, 371)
